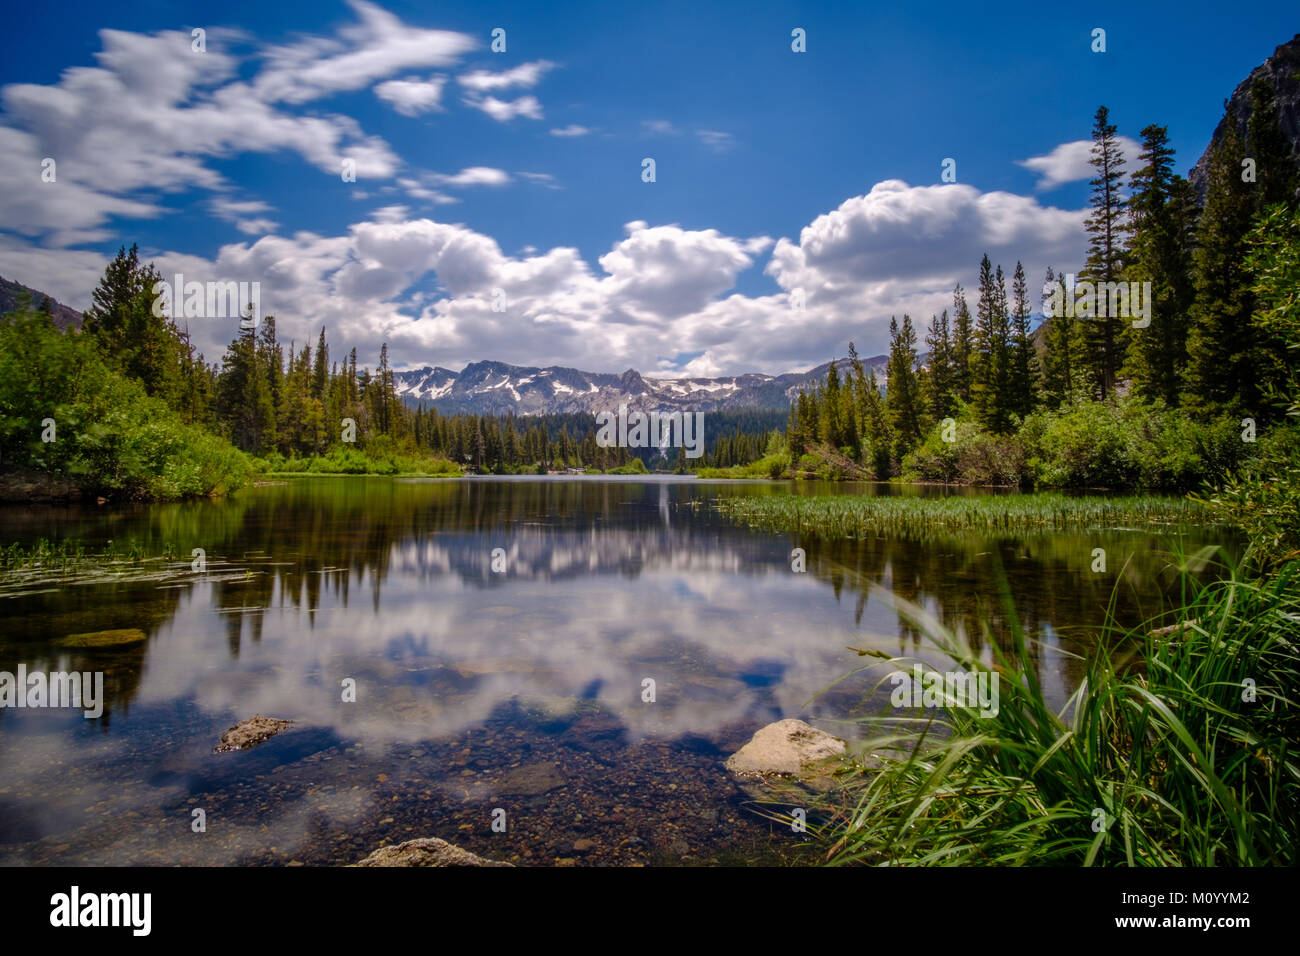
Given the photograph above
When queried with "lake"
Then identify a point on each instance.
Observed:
(497, 639)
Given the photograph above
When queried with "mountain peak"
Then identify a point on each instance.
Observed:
(498, 388)
(1282, 71)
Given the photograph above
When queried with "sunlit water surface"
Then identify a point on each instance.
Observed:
(477, 690)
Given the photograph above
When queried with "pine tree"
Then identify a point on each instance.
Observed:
(1162, 216)
(270, 357)
(320, 371)
(794, 440)
(242, 396)
(902, 392)
(1222, 371)
(875, 424)
(962, 346)
(990, 358)
(145, 346)
(1022, 385)
(939, 381)
(832, 426)
(1277, 175)
(385, 399)
(1107, 233)
(1060, 361)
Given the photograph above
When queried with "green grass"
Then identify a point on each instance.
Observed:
(344, 460)
(769, 466)
(1156, 760)
(851, 516)
(634, 467)
(65, 555)
(45, 565)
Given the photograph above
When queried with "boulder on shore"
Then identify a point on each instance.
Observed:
(250, 733)
(426, 851)
(787, 748)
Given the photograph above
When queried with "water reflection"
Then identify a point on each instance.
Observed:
(607, 583)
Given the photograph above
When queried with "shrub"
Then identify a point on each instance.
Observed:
(974, 457)
(110, 436)
(1128, 443)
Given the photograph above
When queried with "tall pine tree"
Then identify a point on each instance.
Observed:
(1223, 369)
(1107, 227)
(1163, 213)
(1022, 379)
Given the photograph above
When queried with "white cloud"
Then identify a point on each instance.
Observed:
(377, 47)
(64, 212)
(394, 213)
(660, 127)
(659, 290)
(505, 110)
(525, 76)
(922, 237)
(573, 129)
(473, 176)
(419, 189)
(716, 140)
(243, 214)
(541, 179)
(69, 275)
(666, 271)
(1069, 162)
(411, 97)
(121, 133)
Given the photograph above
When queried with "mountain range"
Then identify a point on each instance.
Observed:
(13, 294)
(495, 388)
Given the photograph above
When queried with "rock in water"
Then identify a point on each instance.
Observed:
(95, 639)
(427, 851)
(530, 780)
(787, 748)
(250, 733)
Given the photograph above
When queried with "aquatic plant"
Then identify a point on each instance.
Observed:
(852, 516)
(1179, 748)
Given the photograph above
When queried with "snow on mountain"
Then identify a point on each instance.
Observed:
(495, 388)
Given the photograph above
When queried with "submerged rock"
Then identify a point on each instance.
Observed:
(426, 851)
(787, 748)
(112, 638)
(530, 780)
(250, 733)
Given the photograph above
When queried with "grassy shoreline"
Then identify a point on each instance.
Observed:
(1191, 758)
(856, 517)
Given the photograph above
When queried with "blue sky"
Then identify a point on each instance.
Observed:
(521, 171)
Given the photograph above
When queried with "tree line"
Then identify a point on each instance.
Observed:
(287, 403)
(1204, 357)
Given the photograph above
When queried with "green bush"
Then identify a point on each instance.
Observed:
(1129, 443)
(634, 467)
(775, 465)
(1264, 498)
(973, 457)
(109, 436)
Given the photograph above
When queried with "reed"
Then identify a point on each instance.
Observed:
(851, 516)
(1188, 757)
